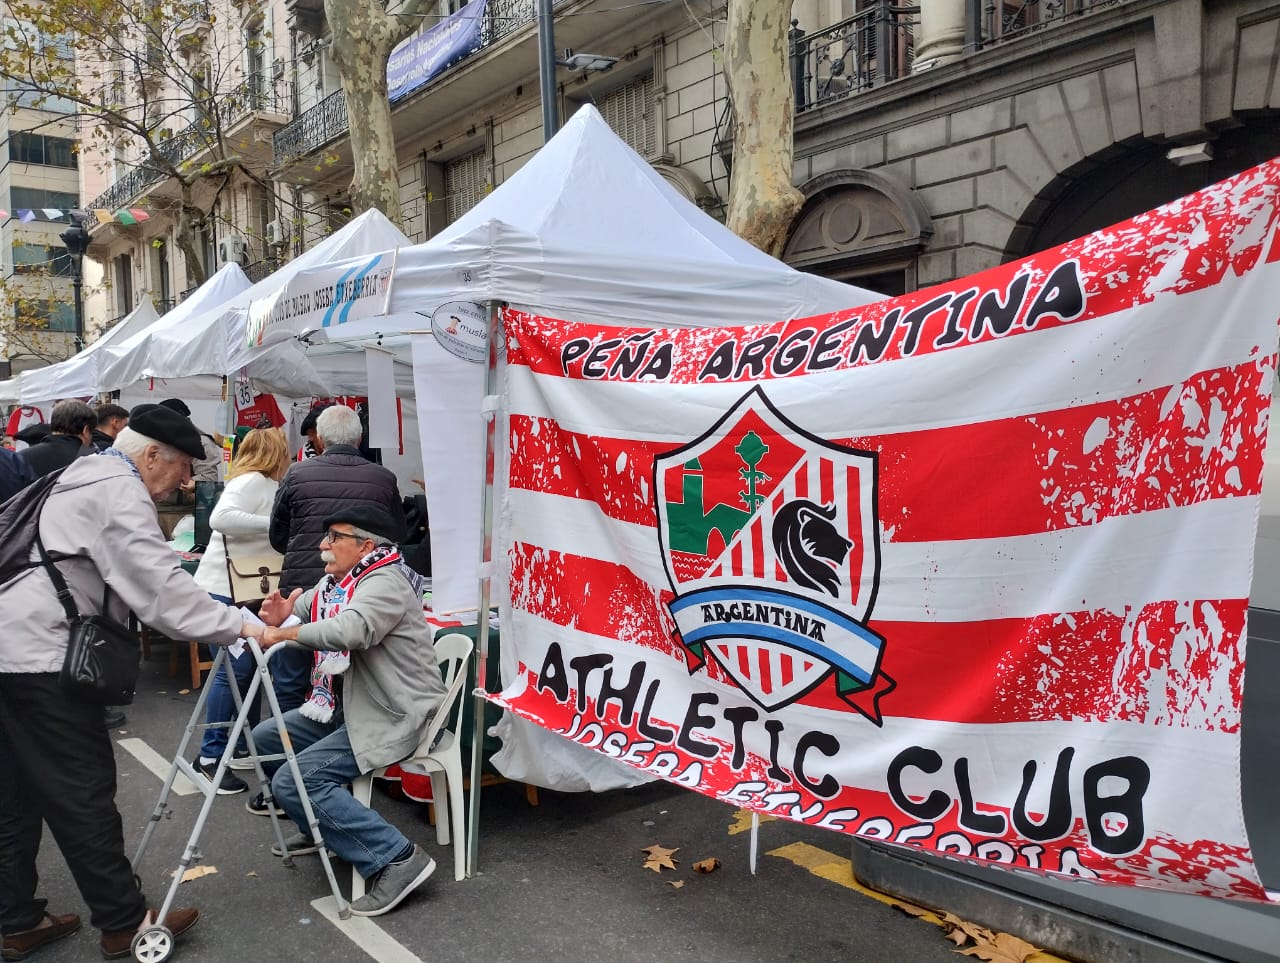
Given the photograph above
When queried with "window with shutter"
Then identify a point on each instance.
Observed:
(629, 110)
(465, 180)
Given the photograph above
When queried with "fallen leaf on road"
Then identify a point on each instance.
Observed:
(252, 872)
(742, 821)
(675, 883)
(195, 872)
(995, 947)
(706, 865)
(1005, 948)
(659, 858)
(911, 909)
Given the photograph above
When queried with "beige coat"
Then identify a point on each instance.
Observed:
(393, 685)
(100, 515)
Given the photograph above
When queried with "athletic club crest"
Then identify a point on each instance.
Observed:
(770, 542)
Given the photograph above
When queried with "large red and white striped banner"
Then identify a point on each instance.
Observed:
(965, 570)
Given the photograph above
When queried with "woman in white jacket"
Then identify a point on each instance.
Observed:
(239, 523)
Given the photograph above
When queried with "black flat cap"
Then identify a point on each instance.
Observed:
(161, 423)
(370, 518)
(178, 405)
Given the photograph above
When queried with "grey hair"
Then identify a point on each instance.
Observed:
(339, 425)
(362, 534)
(72, 416)
(133, 443)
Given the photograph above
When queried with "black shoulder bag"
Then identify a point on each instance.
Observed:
(103, 656)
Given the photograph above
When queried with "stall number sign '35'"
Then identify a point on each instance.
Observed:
(770, 542)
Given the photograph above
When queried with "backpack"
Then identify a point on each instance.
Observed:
(19, 521)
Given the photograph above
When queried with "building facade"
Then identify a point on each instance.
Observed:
(931, 141)
(39, 183)
(204, 93)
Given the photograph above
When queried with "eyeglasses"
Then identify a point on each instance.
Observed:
(331, 536)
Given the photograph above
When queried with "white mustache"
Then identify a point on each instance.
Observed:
(327, 557)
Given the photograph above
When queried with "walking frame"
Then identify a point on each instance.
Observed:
(154, 944)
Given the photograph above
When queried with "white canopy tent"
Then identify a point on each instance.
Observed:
(585, 231)
(199, 344)
(83, 374)
(588, 230)
(78, 375)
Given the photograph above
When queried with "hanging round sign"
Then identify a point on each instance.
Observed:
(462, 329)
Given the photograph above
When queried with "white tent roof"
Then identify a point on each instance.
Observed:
(76, 375)
(587, 230)
(200, 343)
(82, 375)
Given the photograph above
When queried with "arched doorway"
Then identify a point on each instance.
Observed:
(1113, 187)
(859, 227)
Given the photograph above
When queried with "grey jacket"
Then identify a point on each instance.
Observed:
(101, 516)
(393, 684)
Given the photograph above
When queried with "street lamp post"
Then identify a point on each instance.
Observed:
(76, 239)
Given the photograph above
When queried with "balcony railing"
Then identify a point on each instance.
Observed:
(869, 49)
(327, 120)
(258, 270)
(878, 44)
(1013, 21)
(257, 93)
(312, 129)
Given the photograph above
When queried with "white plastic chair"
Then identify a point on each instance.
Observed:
(443, 763)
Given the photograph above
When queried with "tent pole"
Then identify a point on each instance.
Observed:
(482, 614)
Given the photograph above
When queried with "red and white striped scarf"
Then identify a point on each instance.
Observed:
(328, 602)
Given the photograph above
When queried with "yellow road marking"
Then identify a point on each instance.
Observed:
(838, 870)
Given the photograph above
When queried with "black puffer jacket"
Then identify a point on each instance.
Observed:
(54, 452)
(310, 492)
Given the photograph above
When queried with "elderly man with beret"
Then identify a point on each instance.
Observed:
(56, 762)
(368, 604)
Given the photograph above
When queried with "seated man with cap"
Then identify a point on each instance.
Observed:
(368, 604)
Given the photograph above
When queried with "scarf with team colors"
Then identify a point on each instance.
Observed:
(334, 594)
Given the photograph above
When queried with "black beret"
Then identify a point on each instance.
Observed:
(178, 405)
(161, 423)
(370, 518)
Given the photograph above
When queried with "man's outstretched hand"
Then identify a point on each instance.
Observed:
(276, 608)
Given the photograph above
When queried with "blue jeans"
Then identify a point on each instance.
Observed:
(220, 706)
(291, 676)
(354, 832)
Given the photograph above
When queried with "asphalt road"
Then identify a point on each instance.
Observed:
(562, 881)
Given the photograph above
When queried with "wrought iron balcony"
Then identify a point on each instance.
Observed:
(1005, 22)
(869, 49)
(174, 150)
(327, 120)
(259, 270)
(878, 44)
(257, 93)
(312, 129)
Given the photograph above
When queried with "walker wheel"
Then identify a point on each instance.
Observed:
(153, 945)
